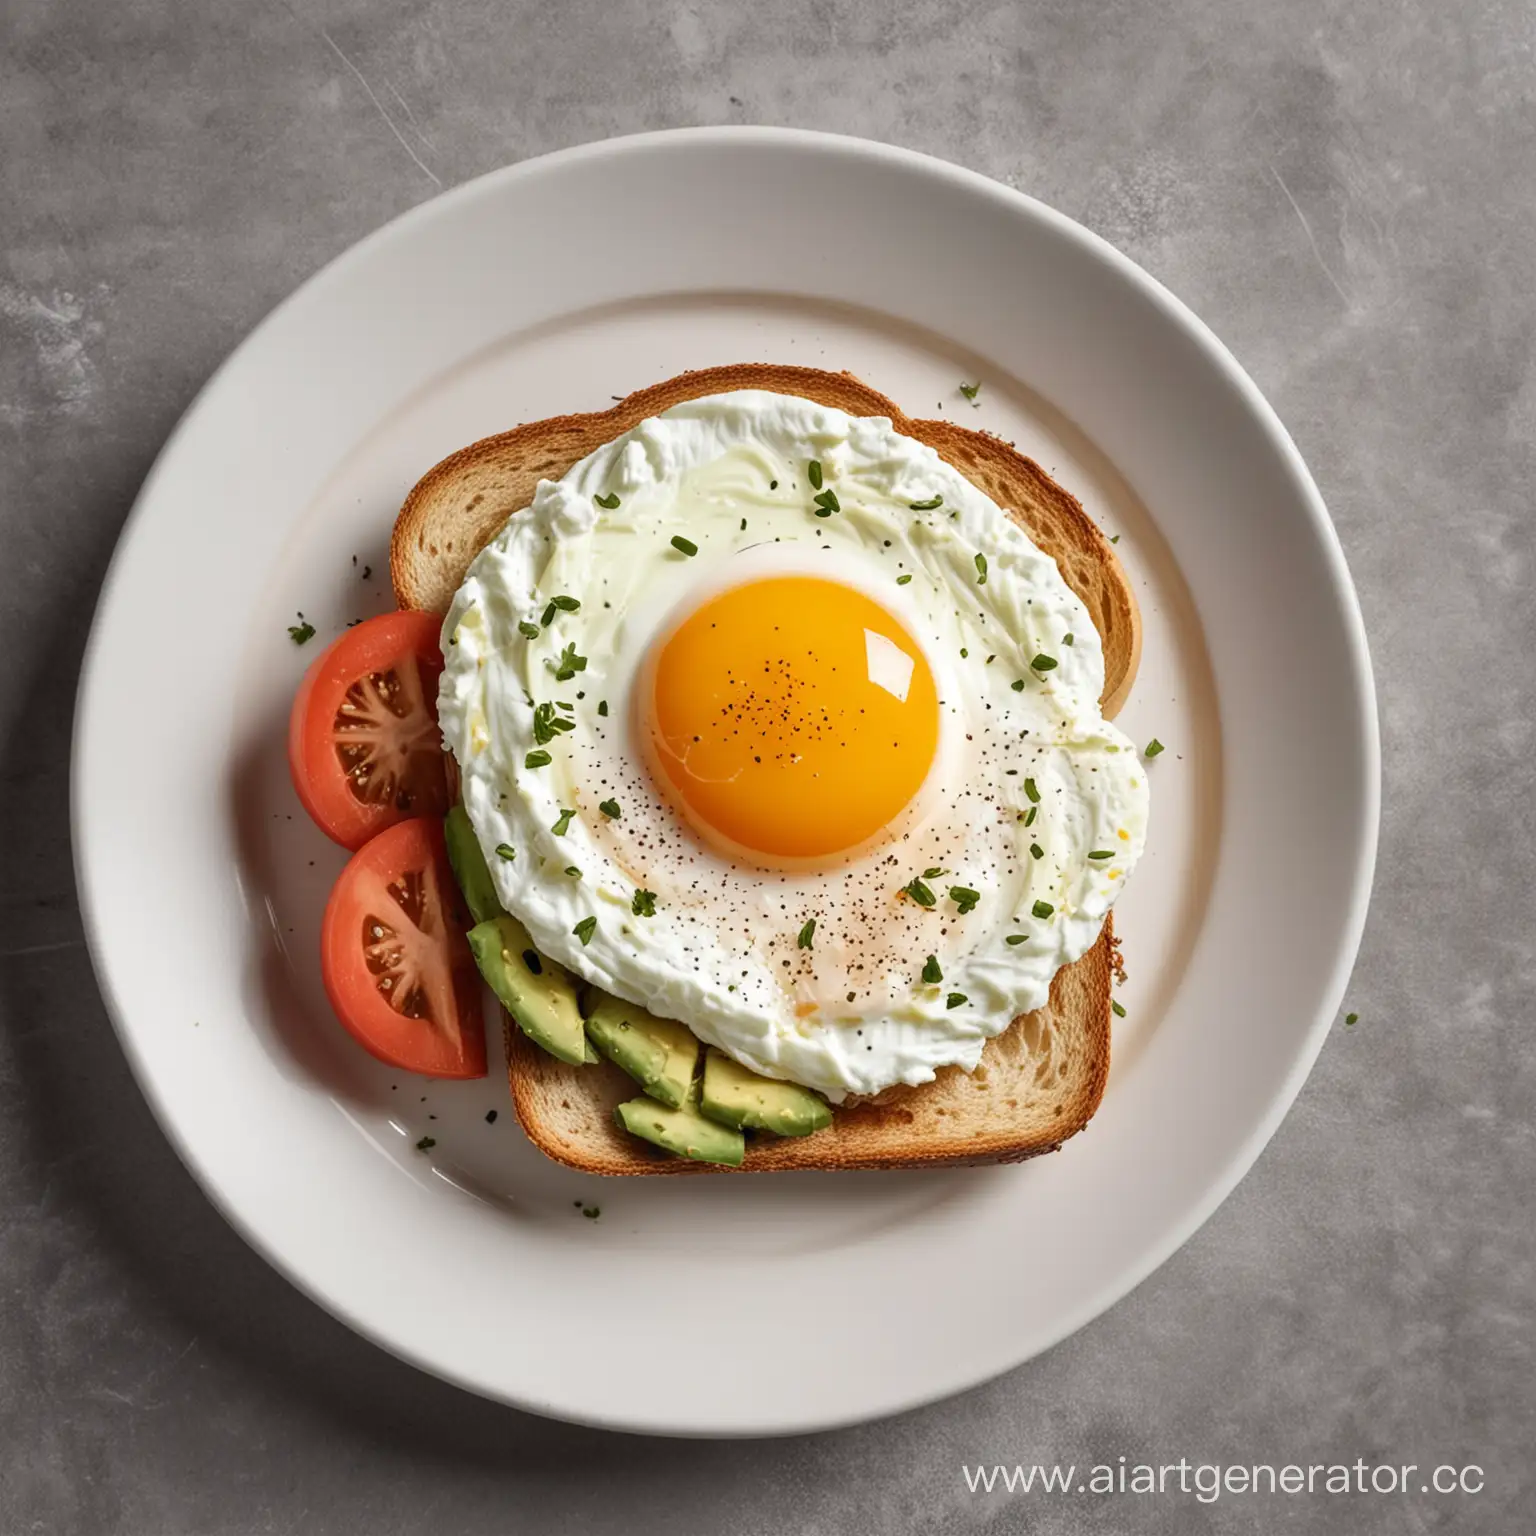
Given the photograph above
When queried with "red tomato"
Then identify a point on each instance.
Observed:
(396, 963)
(363, 745)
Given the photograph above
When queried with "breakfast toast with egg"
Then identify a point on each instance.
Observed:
(1041, 1080)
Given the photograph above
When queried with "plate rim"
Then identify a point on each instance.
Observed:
(1215, 353)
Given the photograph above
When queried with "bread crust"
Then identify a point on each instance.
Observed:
(1041, 1080)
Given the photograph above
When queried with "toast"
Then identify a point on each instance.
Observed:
(1041, 1080)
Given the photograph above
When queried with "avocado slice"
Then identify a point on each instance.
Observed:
(469, 867)
(683, 1131)
(660, 1054)
(542, 1000)
(735, 1096)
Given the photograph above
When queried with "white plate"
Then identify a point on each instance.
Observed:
(726, 1305)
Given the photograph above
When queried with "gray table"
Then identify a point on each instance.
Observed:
(1348, 194)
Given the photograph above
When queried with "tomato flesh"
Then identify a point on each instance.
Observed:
(363, 742)
(396, 963)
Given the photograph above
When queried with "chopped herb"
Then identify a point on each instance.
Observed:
(1032, 791)
(1153, 748)
(1066, 639)
(608, 502)
(1018, 938)
(591, 1212)
(1036, 851)
(528, 631)
(610, 809)
(585, 929)
(537, 760)
(1042, 910)
(602, 707)
(1351, 1018)
(644, 904)
(970, 391)
(573, 871)
(964, 898)
(533, 962)
(981, 570)
(932, 874)
(807, 934)
(931, 972)
(506, 851)
(964, 651)
(773, 485)
(1119, 1010)
(547, 724)
(901, 581)
(1043, 663)
(1114, 538)
(1034, 811)
(566, 604)
(1017, 685)
(813, 470)
(564, 821)
(1102, 853)
(827, 503)
(920, 893)
(301, 632)
(743, 525)
(685, 546)
(567, 664)
(426, 1143)
(926, 506)
(548, 616)
(956, 1000)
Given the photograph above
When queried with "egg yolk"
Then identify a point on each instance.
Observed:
(791, 717)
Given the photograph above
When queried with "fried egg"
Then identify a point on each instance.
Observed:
(770, 721)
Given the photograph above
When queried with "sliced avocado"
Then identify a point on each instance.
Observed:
(469, 867)
(737, 1097)
(542, 1000)
(660, 1054)
(683, 1131)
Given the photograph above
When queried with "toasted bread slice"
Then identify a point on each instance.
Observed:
(457, 507)
(1041, 1080)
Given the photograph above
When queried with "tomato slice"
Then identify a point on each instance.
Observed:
(396, 962)
(363, 744)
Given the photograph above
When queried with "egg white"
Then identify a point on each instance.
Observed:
(721, 951)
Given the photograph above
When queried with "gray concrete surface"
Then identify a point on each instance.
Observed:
(1347, 192)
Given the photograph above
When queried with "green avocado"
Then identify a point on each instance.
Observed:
(683, 1131)
(660, 1054)
(536, 992)
(737, 1097)
(469, 867)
